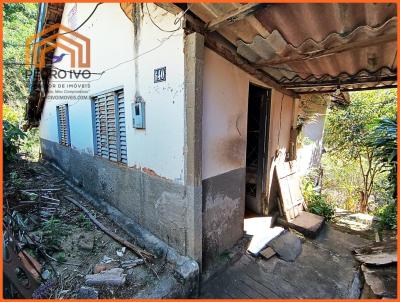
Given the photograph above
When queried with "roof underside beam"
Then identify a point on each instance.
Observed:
(224, 48)
(347, 89)
(335, 83)
(234, 15)
(218, 43)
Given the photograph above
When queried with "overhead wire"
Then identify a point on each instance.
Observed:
(176, 21)
(84, 22)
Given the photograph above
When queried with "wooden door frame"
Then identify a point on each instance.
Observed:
(263, 147)
(264, 122)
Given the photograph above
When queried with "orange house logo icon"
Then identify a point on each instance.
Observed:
(76, 46)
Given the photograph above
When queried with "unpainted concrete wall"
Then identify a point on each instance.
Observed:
(159, 205)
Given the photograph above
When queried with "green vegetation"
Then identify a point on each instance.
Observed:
(19, 23)
(60, 257)
(387, 215)
(12, 139)
(316, 203)
(353, 162)
(84, 222)
(384, 142)
(53, 232)
(360, 165)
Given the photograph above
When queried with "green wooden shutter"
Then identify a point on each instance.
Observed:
(110, 136)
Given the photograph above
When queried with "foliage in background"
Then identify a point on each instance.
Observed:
(341, 182)
(12, 138)
(387, 216)
(19, 22)
(384, 142)
(316, 203)
(348, 133)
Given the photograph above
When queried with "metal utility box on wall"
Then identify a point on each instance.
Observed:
(138, 115)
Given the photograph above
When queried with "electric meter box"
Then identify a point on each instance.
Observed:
(138, 115)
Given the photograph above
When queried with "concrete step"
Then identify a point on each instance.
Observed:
(306, 223)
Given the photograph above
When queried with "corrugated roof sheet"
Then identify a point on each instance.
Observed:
(283, 40)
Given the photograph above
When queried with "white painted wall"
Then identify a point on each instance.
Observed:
(160, 146)
(225, 100)
(309, 155)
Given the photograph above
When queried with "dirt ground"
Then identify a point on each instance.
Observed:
(62, 239)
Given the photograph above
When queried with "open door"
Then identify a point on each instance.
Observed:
(257, 142)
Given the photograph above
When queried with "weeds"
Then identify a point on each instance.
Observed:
(15, 179)
(53, 232)
(12, 140)
(84, 222)
(60, 257)
(317, 203)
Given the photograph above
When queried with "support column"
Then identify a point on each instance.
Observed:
(194, 59)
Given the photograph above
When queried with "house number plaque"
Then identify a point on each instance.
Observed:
(160, 74)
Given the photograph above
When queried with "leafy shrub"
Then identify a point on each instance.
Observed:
(316, 203)
(387, 216)
(384, 142)
(342, 182)
(12, 139)
(31, 144)
(18, 141)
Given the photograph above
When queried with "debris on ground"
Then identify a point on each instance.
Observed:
(267, 253)
(261, 239)
(254, 225)
(140, 252)
(377, 253)
(379, 268)
(131, 263)
(103, 267)
(111, 277)
(86, 241)
(380, 282)
(87, 293)
(287, 246)
(59, 239)
(269, 242)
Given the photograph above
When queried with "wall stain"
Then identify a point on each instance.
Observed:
(137, 17)
(231, 151)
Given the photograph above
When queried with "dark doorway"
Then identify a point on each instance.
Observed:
(256, 152)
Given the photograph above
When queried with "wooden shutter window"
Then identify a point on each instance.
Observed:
(63, 125)
(110, 137)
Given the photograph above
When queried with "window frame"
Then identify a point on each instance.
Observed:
(119, 116)
(64, 140)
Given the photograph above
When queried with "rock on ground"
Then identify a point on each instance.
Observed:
(112, 277)
(87, 293)
(287, 246)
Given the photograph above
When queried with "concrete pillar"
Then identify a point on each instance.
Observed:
(194, 59)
